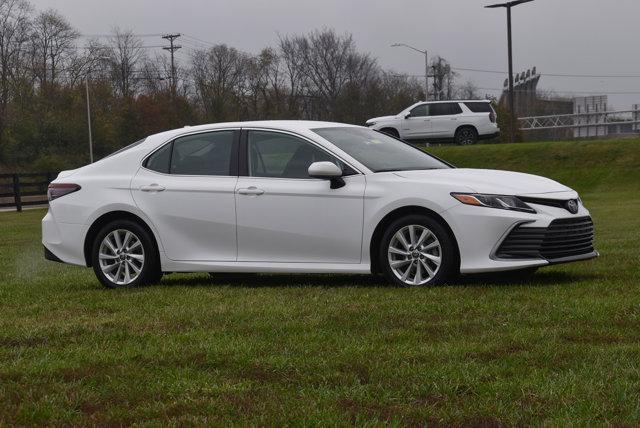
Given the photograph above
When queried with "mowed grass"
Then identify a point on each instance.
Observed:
(559, 348)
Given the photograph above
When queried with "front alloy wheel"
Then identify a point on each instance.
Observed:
(417, 250)
(414, 255)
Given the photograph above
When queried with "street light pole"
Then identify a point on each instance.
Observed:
(86, 87)
(426, 66)
(512, 110)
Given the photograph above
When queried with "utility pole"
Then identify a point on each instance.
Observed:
(172, 48)
(512, 110)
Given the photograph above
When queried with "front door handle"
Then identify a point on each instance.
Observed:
(152, 188)
(251, 191)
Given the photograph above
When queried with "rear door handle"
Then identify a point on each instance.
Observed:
(251, 191)
(152, 188)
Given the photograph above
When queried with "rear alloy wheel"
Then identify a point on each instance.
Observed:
(124, 255)
(466, 136)
(417, 251)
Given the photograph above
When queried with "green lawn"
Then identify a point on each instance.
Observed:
(559, 348)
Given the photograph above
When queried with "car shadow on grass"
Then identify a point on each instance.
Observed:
(539, 279)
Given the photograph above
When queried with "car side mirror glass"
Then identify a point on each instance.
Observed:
(327, 171)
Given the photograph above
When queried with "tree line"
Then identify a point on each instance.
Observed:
(45, 62)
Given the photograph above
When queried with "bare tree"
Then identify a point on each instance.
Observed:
(468, 91)
(53, 45)
(126, 53)
(155, 75)
(219, 77)
(443, 79)
(14, 34)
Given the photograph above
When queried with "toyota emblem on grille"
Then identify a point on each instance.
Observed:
(572, 206)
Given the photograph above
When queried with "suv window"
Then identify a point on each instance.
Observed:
(479, 107)
(200, 154)
(419, 111)
(444, 109)
(274, 154)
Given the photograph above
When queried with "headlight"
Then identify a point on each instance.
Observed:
(503, 202)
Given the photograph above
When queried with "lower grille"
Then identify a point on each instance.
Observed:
(563, 238)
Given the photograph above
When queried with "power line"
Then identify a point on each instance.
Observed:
(109, 47)
(113, 35)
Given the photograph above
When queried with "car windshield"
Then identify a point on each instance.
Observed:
(378, 151)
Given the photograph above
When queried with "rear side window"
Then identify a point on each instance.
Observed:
(159, 161)
(444, 109)
(199, 154)
(479, 107)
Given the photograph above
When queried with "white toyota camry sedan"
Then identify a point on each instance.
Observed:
(301, 196)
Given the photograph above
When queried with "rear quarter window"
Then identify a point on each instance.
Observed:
(479, 107)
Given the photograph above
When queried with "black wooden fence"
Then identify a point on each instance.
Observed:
(20, 190)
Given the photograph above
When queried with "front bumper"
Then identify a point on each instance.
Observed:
(479, 231)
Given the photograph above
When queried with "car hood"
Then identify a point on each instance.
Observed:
(381, 118)
(488, 181)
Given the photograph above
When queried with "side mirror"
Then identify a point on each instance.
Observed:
(407, 116)
(327, 171)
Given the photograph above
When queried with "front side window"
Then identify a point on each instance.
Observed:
(199, 154)
(378, 151)
(273, 154)
(419, 111)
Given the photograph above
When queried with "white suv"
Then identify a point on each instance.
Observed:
(463, 122)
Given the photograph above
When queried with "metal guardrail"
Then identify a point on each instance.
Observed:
(578, 120)
(20, 190)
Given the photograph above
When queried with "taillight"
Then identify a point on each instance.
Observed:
(57, 190)
(492, 116)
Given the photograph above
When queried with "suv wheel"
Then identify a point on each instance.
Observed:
(415, 251)
(125, 255)
(466, 136)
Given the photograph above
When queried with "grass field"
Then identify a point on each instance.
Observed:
(559, 348)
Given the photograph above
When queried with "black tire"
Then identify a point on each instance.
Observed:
(447, 253)
(391, 132)
(150, 271)
(466, 136)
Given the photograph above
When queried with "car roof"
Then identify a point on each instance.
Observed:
(453, 101)
(299, 126)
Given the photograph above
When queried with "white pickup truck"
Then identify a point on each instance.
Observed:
(463, 122)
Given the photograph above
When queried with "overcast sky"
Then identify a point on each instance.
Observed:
(596, 37)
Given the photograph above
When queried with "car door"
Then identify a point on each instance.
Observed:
(417, 123)
(444, 119)
(283, 215)
(187, 189)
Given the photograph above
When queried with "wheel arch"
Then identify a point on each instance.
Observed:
(385, 130)
(467, 125)
(397, 213)
(105, 218)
